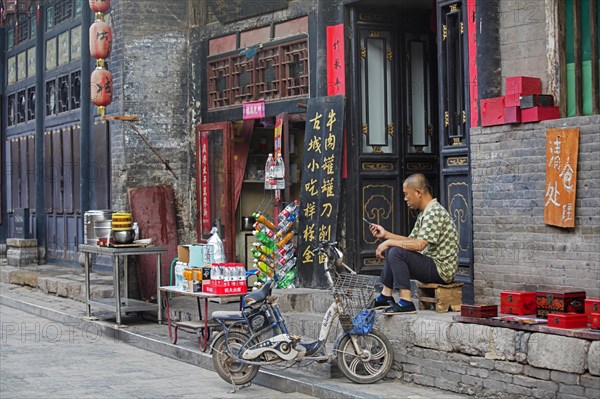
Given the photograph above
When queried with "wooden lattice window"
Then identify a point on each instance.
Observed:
(75, 90)
(63, 93)
(295, 70)
(269, 73)
(21, 106)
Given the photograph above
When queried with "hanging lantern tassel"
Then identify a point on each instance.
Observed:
(101, 87)
(99, 5)
(100, 39)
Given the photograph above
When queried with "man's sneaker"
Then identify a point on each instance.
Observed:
(377, 303)
(396, 308)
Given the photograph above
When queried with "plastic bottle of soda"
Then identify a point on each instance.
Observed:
(288, 278)
(265, 250)
(288, 210)
(263, 239)
(261, 227)
(286, 238)
(264, 220)
(286, 248)
(259, 255)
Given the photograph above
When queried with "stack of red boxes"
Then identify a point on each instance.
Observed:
(226, 279)
(592, 311)
(518, 302)
(523, 102)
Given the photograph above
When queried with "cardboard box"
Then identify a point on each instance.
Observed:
(522, 85)
(559, 302)
(536, 100)
(481, 311)
(537, 114)
(512, 114)
(492, 111)
(195, 254)
(591, 305)
(518, 302)
(567, 320)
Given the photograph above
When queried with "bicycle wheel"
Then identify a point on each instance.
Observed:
(371, 364)
(226, 364)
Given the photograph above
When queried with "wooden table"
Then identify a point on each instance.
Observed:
(201, 327)
(121, 304)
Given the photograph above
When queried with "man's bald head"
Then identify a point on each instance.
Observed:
(418, 181)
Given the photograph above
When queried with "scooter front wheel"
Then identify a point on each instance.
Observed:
(373, 361)
(225, 350)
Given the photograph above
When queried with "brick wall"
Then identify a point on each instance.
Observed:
(513, 248)
(151, 72)
(523, 39)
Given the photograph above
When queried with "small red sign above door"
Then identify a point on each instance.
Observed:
(253, 110)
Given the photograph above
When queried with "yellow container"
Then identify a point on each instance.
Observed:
(121, 217)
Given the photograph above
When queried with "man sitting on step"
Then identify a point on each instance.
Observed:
(429, 254)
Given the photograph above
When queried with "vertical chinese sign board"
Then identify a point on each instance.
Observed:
(561, 176)
(320, 189)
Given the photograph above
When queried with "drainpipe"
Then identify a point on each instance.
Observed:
(40, 168)
(3, 99)
(85, 134)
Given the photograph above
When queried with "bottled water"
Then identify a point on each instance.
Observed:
(179, 267)
(270, 182)
(279, 171)
(288, 210)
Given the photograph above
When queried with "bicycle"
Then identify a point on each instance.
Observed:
(257, 335)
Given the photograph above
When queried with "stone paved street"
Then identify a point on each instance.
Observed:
(40, 358)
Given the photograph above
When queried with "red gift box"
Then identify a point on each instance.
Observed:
(492, 111)
(595, 320)
(523, 85)
(567, 320)
(512, 114)
(592, 305)
(518, 302)
(537, 114)
(481, 311)
(559, 301)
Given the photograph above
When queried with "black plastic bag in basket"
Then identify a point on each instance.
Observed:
(363, 322)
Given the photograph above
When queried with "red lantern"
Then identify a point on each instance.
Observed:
(101, 88)
(100, 39)
(100, 5)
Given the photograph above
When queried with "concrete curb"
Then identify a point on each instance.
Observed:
(280, 381)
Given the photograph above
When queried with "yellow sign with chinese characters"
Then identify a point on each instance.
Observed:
(562, 146)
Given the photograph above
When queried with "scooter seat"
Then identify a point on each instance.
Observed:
(227, 314)
(259, 295)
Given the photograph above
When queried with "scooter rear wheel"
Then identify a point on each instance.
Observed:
(372, 363)
(225, 351)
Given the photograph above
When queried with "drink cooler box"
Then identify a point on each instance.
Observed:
(559, 302)
(481, 311)
(518, 302)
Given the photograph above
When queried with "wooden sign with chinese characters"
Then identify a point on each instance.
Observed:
(562, 147)
(320, 188)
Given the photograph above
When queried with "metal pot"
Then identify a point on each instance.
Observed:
(89, 219)
(248, 222)
(123, 236)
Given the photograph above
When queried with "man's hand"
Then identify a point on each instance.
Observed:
(381, 248)
(377, 231)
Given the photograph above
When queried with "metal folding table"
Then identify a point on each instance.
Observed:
(121, 304)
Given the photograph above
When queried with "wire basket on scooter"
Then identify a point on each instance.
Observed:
(354, 293)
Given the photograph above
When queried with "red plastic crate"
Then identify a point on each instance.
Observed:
(523, 85)
(592, 305)
(567, 320)
(537, 114)
(492, 111)
(518, 302)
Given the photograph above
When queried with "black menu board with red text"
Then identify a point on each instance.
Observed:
(320, 186)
